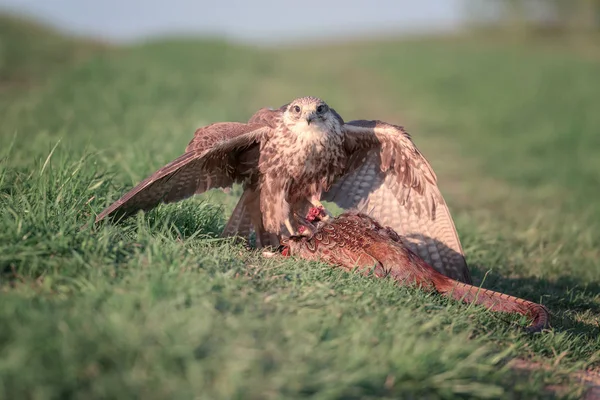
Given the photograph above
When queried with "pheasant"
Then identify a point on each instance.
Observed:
(356, 241)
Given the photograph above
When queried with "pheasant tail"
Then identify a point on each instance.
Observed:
(495, 301)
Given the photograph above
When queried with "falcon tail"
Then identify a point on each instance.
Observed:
(239, 224)
(246, 216)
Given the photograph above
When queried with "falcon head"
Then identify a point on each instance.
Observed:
(307, 114)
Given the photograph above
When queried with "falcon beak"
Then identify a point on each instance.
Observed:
(310, 118)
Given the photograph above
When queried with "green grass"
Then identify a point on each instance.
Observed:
(160, 307)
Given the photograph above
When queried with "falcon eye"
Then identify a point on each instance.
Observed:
(297, 109)
(321, 109)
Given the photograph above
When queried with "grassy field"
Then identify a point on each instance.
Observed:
(159, 307)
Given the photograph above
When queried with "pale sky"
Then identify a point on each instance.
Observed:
(245, 20)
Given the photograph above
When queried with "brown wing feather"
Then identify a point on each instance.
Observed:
(266, 116)
(213, 134)
(219, 155)
(388, 177)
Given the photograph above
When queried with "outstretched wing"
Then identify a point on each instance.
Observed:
(388, 177)
(219, 155)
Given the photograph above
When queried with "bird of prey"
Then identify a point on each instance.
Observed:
(291, 158)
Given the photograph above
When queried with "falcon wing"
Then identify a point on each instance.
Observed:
(389, 178)
(267, 116)
(219, 155)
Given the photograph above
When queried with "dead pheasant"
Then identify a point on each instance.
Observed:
(356, 241)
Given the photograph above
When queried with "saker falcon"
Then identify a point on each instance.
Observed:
(290, 158)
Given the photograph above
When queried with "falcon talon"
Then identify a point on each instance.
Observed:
(290, 228)
(305, 232)
(326, 217)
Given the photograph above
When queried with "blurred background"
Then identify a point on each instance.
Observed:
(268, 21)
(261, 21)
